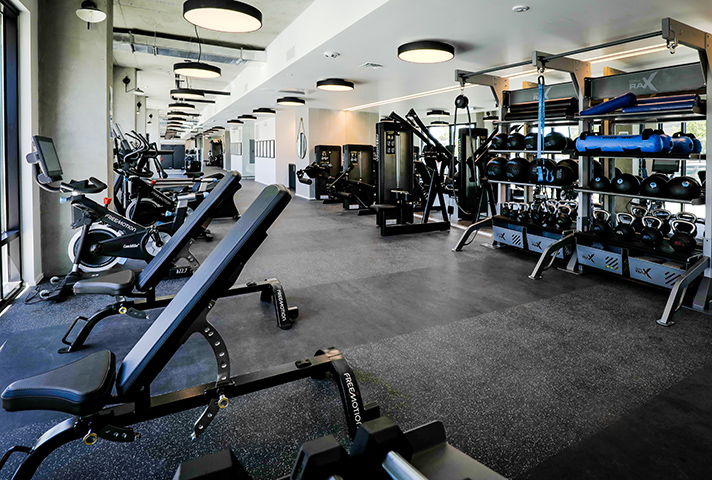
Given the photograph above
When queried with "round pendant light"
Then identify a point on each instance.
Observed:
(197, 70)
(264, 111)
(426, 52)
(247, 117)
(291, 101)
(437, 113)
(235, 121)
(90, 13)
(439, 123)
(181, 106)
(187, 94)
(223, 15)
(176, 116)
(335, 85)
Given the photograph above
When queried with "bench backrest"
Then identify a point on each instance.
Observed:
(215, 276)
(157, 268)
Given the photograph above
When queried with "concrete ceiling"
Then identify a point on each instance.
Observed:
(485, 33)
(166, 16)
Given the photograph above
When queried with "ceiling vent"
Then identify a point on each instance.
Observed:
(372, 65)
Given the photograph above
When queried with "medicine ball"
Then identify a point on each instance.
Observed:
(626, 183)
(654, 186)
(530, 141)
(497, 168)
(554, 141)
(600, 184)
(563, 174)
(517, 169)
(572, 163)
(684, 188)
(515, 142)
(570, 144)
(499, 142)
(547, 170)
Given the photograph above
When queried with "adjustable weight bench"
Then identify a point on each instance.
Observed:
(127, 284)
(83, 388)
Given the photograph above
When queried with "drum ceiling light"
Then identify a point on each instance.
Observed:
(426, 51)
(291, 101)
(247, 117)
(236, 121)
(437, 113)
(197, 70)
(187, 94)
(228, 16)
(182, 107)
(264, 111)
(335, 85)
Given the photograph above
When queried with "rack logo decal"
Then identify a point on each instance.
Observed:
(643, 83)
(643, 271)
(589, 257)
(546, 93)
(537, 244)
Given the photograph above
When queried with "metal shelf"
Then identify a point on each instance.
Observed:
(697, 201)
(533, 152)
(521, 184)
(683, 115)
(651, 156)
(572, 121)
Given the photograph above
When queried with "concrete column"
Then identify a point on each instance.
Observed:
(124, 104)
(75, 75)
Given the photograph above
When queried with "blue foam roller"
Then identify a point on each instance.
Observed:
(625, 100)
(673, 98)
(622, 143)
(683, 145)
(658, 107)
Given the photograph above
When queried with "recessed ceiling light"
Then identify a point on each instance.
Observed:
(187, 93)
(335, 85)
(293, 101)
(264, 111)
(236, 121)
(426, 51)
(247, 117)
(437, 113)
(520, 8)
(197, 70)
(223, 15)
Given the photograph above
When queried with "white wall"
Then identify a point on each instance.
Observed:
(152, 129)
(124, 104)
(286, 145)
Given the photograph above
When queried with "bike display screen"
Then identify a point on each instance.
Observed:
(49, 157)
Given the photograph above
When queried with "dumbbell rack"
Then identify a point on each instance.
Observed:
(670, 269)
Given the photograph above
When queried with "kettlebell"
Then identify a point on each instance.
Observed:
(600, 225)
(504, 209)
(524, 215)
(537, 214)
(563, 219)
(664, 216)
(683, 239)
(689, 216)
(624, 229)
(638, 212)
(651, 235)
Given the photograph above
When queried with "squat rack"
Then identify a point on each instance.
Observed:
(674, 33)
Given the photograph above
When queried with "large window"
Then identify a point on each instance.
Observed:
(10, 267)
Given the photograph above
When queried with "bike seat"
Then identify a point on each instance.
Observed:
(120, 283)
(79, 388)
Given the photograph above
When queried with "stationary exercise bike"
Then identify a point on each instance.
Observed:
(105, 238)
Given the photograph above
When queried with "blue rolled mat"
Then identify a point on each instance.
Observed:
(672, 98)
(659, 107)
(623, 143)
(697, 146)
(625, 100)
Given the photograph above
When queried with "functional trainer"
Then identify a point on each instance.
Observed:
(84, 388)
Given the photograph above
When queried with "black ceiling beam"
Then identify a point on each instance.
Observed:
(183, 38)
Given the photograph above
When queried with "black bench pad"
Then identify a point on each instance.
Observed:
(79, 388)
(118, 284)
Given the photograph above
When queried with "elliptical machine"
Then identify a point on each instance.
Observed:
(105, 238)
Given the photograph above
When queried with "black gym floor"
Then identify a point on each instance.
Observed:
(566, 377)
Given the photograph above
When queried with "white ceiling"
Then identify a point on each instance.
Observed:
(486, 33)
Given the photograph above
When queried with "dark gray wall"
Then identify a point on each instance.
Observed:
(75, 74)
